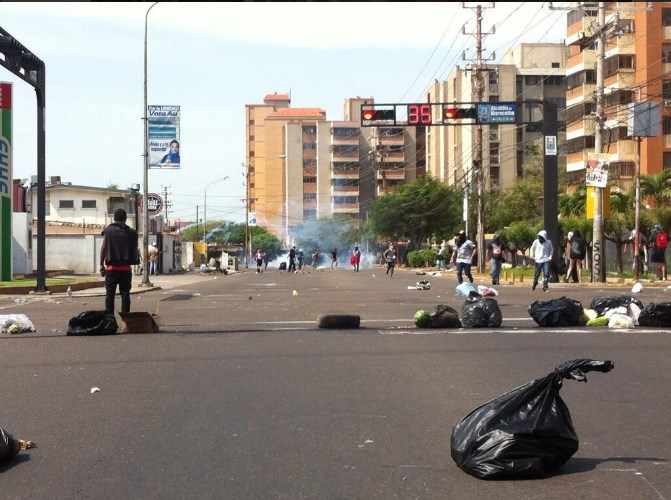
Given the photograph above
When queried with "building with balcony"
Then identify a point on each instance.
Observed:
(636, 68)
(529, 73)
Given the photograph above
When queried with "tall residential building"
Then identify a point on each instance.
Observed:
(637, 68)
(301, 166)
(530, 72)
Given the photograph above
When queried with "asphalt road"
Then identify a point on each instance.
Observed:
(240, 396)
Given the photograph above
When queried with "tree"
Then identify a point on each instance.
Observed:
(657, 187)
(416, 211)
(518, 237)
(326, 234)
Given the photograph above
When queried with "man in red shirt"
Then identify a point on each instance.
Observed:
(118, 253)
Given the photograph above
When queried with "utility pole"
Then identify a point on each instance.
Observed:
(165, 200)
(598, 274)
(479, 87)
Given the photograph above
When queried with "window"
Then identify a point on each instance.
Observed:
(88, 203)
(251, 138)
(578, 79)
(309, 180)
(556, 65)
(344, 131)
(666, 89)
(309, 163)
(66, 203)
(309, 214)
(311, 129)
(251, 122)
(309, 196)
(617, 63)
(309, 145)
(666, 125)
(344, 182)
(531, 80)
(666, 52)
(493, 98)
(666, 17)
(495, 176)
(557, 80)
(667, 161)
(338, 200)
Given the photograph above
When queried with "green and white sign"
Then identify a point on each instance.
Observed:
(5, 181)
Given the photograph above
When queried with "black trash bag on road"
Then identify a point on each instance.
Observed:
(556, 312)
(93, 323)
(9, 447)
(602, 304)
(444, 317)
(481, 312)
(526, 433)
(658, 315)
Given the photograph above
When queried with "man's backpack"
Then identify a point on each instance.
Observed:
(577, 249)
(496, 251)
(661, 240)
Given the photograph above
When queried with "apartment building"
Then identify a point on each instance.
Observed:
(636, 68)
(529, 73)
(301, 166)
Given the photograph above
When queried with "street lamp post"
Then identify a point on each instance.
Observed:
(205, 207)
(145, 191)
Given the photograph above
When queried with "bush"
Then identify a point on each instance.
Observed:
(422, 258)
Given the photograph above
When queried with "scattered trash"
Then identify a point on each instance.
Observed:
(487, 291)
(465, 289)
(445, 317)
(599, 321)
(619, 320)
(602, 304)
(658, 315)
(435, 273)
(294, 293)
(92, 323)
(420, 273)
(19, 301)
(481, 312)
(423, 285)
(15, 323)
(10, 446)
(556, 312)
(526, 433)
(95, 389)
(637, 288)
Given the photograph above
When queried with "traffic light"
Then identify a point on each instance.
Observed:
(452, 114)
(379, 114)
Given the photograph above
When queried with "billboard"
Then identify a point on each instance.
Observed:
(163, 136)
(597, 170)
(6, 181)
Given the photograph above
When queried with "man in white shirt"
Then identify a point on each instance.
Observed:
(541, 252)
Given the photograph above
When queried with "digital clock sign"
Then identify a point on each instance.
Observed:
(419, 114)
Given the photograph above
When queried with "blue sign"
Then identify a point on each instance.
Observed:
(494, 113)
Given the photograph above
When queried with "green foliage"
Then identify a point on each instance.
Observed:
(327, 233)
(416, 211)
(421, 258)
(656, 187)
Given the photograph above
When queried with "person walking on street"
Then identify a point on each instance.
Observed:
(541, 252)
(292, 260)
(464, 254)
(576, 251)
(495, 256)
(659, 240)
(119, 251)
(356, 259)
(390, 259)
(152, 254)
(440, 257)
(334, 258)
(258, 257)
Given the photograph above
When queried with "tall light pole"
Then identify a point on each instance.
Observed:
(145, 188)
(205, 208)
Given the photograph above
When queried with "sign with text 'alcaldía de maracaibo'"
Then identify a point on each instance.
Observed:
(163, 136)
(5, 181)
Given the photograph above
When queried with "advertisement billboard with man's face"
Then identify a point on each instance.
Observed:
(163, 136)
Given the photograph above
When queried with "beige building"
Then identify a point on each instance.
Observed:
(530, 72)
(301, 166)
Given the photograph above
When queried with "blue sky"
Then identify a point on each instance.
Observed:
(212, 59)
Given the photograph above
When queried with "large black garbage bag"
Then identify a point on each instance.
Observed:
(9, 447)
(602, 304)
(444, 317)
(481, 312)
(525, 433)
(556, 312)
(656, 315)
(93, 323)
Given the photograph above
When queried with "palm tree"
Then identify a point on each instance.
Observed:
(657, 187)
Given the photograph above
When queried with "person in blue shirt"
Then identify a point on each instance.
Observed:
(173, 155)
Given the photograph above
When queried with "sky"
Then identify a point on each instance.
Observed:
(212, 59)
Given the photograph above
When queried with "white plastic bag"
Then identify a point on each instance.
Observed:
(637, 288)
(487, 291)
(619, 320)
(15, 323)
(465, 289)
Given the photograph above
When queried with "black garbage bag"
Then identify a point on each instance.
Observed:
(92, 323)
(9, 447)
(556, 312)
(656, 315)
(444, 317)
(602, 304)
(526, 433)
(481, 312)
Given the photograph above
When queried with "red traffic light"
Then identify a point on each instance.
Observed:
(459, 113)
(379, 114)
